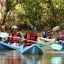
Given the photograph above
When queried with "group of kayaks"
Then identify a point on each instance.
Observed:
(33, 49)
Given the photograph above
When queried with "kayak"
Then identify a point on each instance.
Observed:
(5, 46)
(61, 43)
(33, 49)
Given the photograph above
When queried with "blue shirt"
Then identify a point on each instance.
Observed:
(45, 35)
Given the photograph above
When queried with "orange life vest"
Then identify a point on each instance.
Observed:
(13, 37)
(30, 36)
(61, 38)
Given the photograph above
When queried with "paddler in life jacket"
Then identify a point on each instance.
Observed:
(30, 37)
(59, 33)
(46, 37)
(14, 36)
(56, 35)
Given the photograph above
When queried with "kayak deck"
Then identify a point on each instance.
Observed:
(5, 46)
(33, 49)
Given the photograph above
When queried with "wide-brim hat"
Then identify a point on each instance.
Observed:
(56, 28)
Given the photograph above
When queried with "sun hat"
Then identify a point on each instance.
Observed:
(14, 26)
(56, 28)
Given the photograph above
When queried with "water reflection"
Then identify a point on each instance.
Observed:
(56, 60)
(32, 59)
(53, 58)
(13, 57)
(9, 57)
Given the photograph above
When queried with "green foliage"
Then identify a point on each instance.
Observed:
(19, 9)
(38, 13)
(9, 4)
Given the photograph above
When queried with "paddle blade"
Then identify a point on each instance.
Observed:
(56, 46)
(3, 35)
(40, 44)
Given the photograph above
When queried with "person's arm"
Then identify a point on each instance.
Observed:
(46, 39)
(39, 39)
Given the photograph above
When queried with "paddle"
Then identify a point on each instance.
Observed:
(53, 46)
(4, 36)
(56, 46)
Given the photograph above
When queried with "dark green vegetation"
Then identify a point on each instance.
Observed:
(39, 13)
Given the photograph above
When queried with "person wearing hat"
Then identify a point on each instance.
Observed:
(14, 35)
(46, 37)
(59, 34)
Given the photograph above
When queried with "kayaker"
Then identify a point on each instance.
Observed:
(59, 34)
(56, 34)
(47, 37)
(30, 35)
(14, 36)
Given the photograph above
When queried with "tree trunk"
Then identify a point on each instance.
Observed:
(2, 10)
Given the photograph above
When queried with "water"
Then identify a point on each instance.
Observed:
(48, 57)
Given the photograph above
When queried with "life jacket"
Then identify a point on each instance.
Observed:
(60, 36)
(30, 36)
(13, 38)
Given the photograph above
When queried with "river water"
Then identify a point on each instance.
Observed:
(48, 57)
